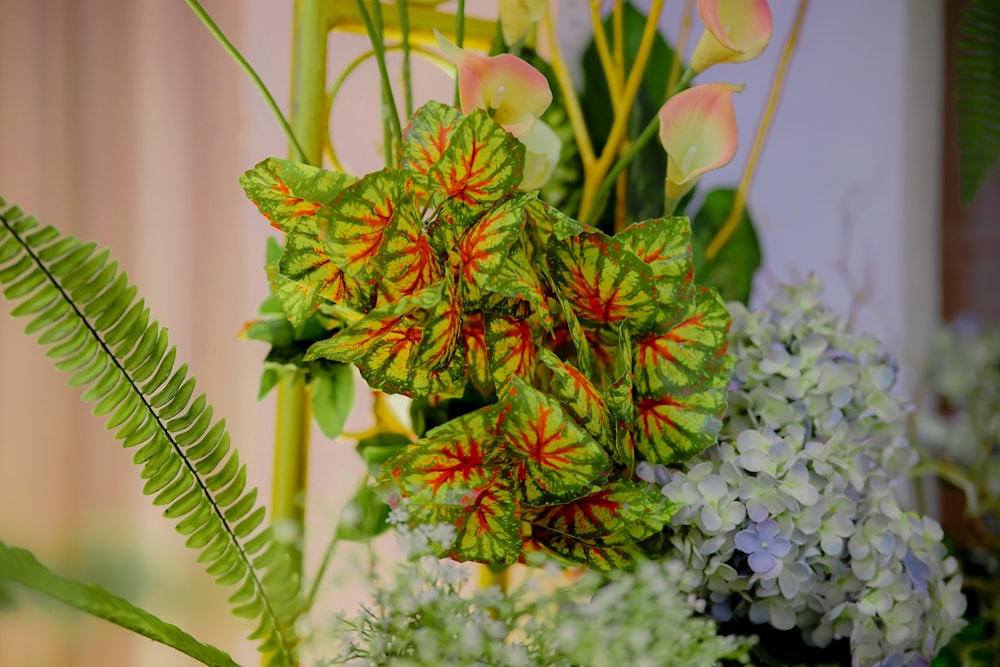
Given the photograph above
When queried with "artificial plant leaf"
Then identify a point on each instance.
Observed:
(602, 559)
(286, 192)
(680, 379)
(442, 333)
(489, 531)
(574, 331)
(363, 517)
(978, 87)
(377, 449)
(450, 465)
(306, 275)
(427, 135)
(332, 397)
(409, 263)
(20, 566)
(383, 345)
(484, 247)
(354, 228)
(603, 282)
(560, 460)
(621, 408)
(476, 357)
(511, 349)
(623, 512)
(480, 165)
(732, 270)
(516, 279)
(579, 397)
(542, 221)
(665, 245)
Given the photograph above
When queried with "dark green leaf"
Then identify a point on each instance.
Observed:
(376, 449)
(363, 517)
(732, 270)
(978, 82)
(332, 398)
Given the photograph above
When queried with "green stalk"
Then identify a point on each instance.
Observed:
(459, 37)
(404, 29)
(245, 66)
(374, 29)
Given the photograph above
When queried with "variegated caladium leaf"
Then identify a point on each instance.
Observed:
(286, 192)
(511, 350)
(604, 283)
(680, 376)
(665, 245)
(558, 459)
(427, 136)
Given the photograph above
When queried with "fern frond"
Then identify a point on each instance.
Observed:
(978, 80)
(87, 314)
(20, 566)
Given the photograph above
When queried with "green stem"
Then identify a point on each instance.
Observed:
(242, 62)
(459, 37)
(601, 197)
(374, 29)
(404, 28)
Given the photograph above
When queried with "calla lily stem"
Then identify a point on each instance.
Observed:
(727, 229)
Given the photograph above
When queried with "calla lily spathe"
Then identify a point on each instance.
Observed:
(517, 17)
(735, 31)
(541, 155)
(513, 91)
(698, 131)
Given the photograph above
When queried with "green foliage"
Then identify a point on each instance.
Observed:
(978, 76)
(518, 330)
(732, 270)
(88, 316)
(20, 566)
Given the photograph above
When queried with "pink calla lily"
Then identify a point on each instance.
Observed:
(698, 131)
(541, 155)
(735, 31)
(513, 91)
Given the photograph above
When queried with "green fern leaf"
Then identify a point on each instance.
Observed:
(20, 566)
(978, 80)
(87, 314)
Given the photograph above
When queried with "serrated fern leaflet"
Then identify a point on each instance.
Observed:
(88, 316)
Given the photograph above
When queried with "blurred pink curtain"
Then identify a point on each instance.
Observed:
(124, 122)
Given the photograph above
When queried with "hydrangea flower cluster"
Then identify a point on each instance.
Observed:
(422, 618)
(792, 520)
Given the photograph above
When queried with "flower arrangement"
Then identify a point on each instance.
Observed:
(524, 268)
(792, 520)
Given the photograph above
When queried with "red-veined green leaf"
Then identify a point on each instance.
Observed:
(602, 559)
(576, 334)
(511, 348)
(688, 355)
(485, 246)
(604, 283)
(490, 531)
(621, 407)
(560, 460)
(427, 136)
(408, 263)
(544, 221)
(285, 192)
(450, 465)
(481, 164)
(623, 512)
(665, 245)
(579, 397)
(357, 224)
(676, 427)
(383, 345)
(305, 262)
(297, 301)
(442, 333)
(518, 280)
(476, 358)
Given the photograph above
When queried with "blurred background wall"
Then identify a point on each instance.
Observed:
(125, 123)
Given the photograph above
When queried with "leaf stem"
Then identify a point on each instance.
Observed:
(604, 53)
(459, 39)
(373, 26)
(404, 28)
(727, 229)
(245, 66)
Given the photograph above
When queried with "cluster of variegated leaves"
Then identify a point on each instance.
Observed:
(589, 351)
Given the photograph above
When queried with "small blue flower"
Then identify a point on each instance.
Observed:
(918, 570)
(765, 546)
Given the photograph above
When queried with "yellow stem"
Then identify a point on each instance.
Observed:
(595, 174)
(618, 28)
(565, 84)
(777, 84)
(675, 66)
(488, 577)
(607, 64)
(424, 20)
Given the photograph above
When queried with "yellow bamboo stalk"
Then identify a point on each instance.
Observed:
(565, 83)
(423, 21)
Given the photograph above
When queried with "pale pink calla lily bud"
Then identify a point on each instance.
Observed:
(514, 92)
(517, 17)
(698, 131)
(735, 31)
(541, 155)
